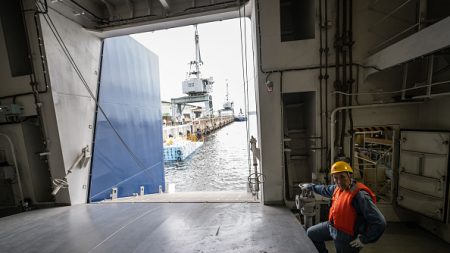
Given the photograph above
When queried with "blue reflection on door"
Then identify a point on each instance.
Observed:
(130, 97)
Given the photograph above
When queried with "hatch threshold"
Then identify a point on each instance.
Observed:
(190, 197)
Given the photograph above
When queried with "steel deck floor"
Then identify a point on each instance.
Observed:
(403, 237)
(155, 227)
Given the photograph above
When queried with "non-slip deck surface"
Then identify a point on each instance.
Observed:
(155, 227)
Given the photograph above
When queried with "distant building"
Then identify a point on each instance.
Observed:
(189, 112)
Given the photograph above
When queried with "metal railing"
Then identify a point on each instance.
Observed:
(389, 15)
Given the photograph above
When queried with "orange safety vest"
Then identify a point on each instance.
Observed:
(342, 213)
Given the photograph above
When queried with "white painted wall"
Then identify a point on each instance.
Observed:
(277, 55)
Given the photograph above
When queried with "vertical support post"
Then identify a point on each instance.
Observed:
(430, 74)
(422, 14)
(256, 156)
(405, 79)
(142, 191)
(173, 106)
(114, 193)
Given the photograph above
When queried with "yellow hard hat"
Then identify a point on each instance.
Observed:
(341, 167)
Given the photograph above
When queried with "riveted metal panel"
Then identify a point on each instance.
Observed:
(427, 205)
(426, 142)
(423, 183)
(130, 97)
(428, 165)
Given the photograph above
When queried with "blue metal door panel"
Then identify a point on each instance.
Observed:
(130, 97)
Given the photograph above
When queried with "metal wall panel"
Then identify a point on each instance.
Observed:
(425, 142)
(423, 184)
(427, 205)
(428, 165)
(129, 95)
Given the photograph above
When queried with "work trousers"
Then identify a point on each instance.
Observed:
(323, 232)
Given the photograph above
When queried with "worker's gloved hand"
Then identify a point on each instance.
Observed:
(306, 186)
(357, 243)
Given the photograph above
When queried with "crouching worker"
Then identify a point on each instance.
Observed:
(354, 220)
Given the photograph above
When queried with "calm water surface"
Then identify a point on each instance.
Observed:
(221, 164)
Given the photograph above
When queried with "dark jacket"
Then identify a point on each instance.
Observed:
(370, 223)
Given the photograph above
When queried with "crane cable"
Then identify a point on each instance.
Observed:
(253, 179)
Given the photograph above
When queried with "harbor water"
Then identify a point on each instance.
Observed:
(221, 164)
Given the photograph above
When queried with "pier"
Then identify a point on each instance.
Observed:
(182, 140)
(204, 126)
(209, 125)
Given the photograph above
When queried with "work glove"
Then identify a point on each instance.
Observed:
(306, 186)
(357, 243)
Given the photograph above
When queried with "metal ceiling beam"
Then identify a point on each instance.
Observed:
(426, 41)
(190, 99)
(152, 23)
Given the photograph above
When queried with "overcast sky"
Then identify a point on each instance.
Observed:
(220, 47)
